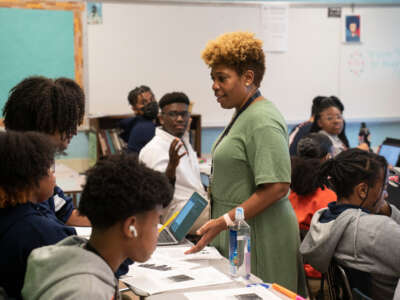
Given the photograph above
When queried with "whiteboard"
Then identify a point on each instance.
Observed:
(159, 45)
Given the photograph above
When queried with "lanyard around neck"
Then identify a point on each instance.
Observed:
(242, 109)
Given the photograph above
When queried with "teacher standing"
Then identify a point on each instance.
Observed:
(251, 164)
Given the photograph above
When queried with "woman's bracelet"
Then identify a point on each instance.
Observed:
(228, 220)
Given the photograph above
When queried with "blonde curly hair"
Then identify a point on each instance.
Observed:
(238, 50)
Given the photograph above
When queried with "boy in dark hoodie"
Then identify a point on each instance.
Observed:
(123, 200)
(361, 230)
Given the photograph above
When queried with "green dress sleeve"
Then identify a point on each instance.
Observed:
(268, 155)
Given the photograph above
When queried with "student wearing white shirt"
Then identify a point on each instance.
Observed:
(171, 152)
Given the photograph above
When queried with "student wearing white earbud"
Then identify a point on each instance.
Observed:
(124, 217)
(133, 230)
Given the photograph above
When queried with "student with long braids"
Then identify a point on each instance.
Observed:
(360, 231)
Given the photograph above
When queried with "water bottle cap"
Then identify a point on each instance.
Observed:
(239, 214)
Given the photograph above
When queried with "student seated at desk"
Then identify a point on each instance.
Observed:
(26, 179)
(361, 231)
(139, 130)
(123, 200)
(171, 152)
(329, 121)
(55, 107)
(302, 129)
(306, 195)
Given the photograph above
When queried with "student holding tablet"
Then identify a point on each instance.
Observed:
(251, 164)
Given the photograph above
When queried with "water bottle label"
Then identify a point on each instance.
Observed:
(233, 252)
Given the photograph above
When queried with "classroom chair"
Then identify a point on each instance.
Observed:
(357, 295)
(343, 281)
(338, 283)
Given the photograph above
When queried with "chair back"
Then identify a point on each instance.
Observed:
(358, 295)
(338, 283)
(342, 282)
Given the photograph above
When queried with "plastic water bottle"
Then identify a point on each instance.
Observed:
(239, 246)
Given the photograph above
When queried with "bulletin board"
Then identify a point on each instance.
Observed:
(39, 38)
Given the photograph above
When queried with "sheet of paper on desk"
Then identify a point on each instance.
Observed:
(68, 179)
(159, 264)
(250, 293)
(176, 280)
(84, 231)
(178, 253)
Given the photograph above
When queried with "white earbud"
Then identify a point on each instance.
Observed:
(133, 230)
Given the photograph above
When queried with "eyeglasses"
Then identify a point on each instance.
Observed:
(174, 114)
(331, 118)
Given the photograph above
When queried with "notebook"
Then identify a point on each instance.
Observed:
(178, 229)
(390, 149)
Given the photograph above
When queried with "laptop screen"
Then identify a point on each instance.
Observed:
(391, 153)
(187, 216)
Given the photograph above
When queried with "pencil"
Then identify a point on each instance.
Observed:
(169, 221)
(284, 291)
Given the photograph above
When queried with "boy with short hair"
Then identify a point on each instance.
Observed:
(123, 200)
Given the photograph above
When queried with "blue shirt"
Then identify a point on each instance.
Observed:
(303, 130)
(138, 131)
(335, 209)
(58, 207)
(23, 228)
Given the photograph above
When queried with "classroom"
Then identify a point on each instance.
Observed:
(111, 47)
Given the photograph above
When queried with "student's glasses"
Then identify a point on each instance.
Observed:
(330, 118)
(174, 114)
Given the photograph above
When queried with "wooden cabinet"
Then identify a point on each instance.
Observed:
(111, 122)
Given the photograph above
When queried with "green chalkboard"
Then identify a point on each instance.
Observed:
(34, 42)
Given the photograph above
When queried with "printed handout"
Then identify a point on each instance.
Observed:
(153, 283)
(249, 293)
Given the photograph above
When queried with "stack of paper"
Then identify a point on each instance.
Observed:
(250, 293)
(68, 179)
(170, 280)
(178, 253)
(159, 264)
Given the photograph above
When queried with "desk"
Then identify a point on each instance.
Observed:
(70, 181)
(221, 265)
(127, 294)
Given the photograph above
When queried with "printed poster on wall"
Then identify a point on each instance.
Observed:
(352, 29)
(275, 23)
(94, 13)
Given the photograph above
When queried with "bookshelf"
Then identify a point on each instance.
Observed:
(111, 122)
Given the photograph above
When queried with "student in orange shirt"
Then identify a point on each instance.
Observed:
(306, 195)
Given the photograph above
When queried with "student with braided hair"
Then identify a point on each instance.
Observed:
(360, 231)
